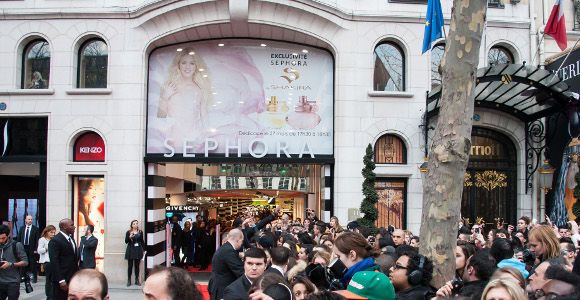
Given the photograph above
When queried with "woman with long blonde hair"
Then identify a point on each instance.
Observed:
(185, 96)
(543, 242)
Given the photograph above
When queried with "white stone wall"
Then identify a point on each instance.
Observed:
(349, 29)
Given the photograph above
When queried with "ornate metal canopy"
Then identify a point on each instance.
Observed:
(528, 93)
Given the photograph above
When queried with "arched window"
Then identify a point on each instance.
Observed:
(92, 66)
(436, 57)
(389, 74)
(36, 65)
(390, 149)
(499, 55)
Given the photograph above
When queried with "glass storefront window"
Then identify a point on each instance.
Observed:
(36, 65)
(92, 67)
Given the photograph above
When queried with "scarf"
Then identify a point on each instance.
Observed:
(362, 265)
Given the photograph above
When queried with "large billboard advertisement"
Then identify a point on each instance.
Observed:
(89, 204)
(240, 98)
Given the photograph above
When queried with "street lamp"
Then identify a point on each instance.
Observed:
(423, 167)
(546, 175)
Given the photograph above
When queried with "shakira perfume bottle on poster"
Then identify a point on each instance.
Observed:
(272, 117)
(304, 115)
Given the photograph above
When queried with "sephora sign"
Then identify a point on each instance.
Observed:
(240, 97)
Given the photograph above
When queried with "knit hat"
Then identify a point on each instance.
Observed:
(372, 285)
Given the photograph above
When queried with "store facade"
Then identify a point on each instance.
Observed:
(292, 97)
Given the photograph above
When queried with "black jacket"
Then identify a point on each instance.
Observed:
(473, 289)
(238, 290)
(33, 239)
(63, 259)
(275, 271)
(249, 232)
(176, 232)
(87, 250)
(226, 268)
(419, 292)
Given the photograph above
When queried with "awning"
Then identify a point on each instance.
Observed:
(526, 92)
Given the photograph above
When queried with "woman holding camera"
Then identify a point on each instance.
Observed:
(353, 250)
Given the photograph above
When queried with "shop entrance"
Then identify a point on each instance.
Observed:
(23, 171)
(209, 197)
(489, 188)
(20, 194)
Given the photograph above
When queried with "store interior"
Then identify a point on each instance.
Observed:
(224, 191)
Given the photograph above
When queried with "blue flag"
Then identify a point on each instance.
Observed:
(433, 24)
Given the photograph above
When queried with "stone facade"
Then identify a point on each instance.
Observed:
(350, 29)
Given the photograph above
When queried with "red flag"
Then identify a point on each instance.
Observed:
(556, 26)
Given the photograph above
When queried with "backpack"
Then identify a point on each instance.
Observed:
(14, 252)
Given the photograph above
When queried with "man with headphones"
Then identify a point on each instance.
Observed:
(411, 275)
(478, 270)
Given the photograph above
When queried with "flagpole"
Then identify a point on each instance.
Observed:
(538, 48)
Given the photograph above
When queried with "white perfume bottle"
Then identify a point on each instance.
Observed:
(272, 117)
(304, 115)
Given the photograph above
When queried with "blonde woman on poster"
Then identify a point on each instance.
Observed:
(185, 98)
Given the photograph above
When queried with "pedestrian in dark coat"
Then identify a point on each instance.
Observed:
(134, 251)
(62, 252)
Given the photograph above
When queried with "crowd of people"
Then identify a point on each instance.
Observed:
(60, 259)
(273, 257)
(266, 255)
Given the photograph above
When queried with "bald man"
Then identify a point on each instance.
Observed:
(88, 284)
(62, 251)
(226, 264)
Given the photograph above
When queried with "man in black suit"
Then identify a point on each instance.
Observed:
(28, 236)
(280, 256)
(254, 267)
(62, 252)
(87, 249)
(226, 264)
(176, 233)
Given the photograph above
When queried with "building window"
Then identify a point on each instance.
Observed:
(36, 65)
(232, 182)
(284, 183)
(389, 74)
(92, 67)
(216, 183)
(436, 57)
(390, 149)
(267, 183)
(499, 55)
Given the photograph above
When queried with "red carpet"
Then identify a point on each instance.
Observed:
(203, 289)
(195, 270)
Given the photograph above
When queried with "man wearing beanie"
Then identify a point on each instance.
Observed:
(372, 285)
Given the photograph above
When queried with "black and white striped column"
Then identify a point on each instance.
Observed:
(328, 195)
(155, 215)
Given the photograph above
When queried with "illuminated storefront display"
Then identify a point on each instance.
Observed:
(240, 99)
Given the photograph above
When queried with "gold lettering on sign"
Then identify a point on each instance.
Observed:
(483, 150)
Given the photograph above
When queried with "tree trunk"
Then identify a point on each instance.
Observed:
(452, 141)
